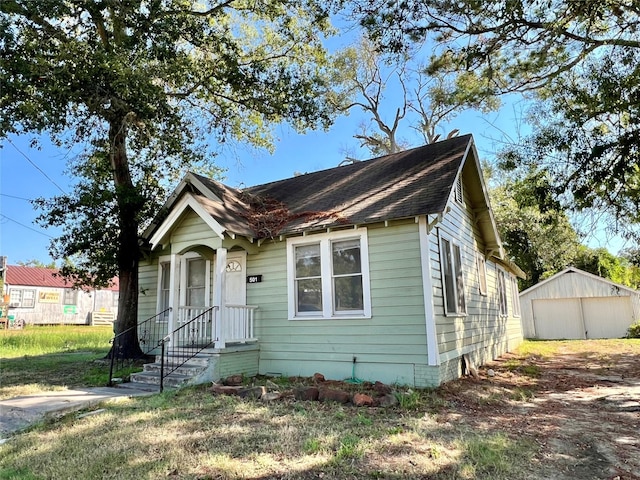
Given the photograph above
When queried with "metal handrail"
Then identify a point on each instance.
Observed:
(146, 338)
(190, 350)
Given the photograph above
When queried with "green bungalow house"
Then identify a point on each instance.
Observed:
(386, 270)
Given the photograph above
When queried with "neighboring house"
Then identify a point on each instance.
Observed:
(389, 269)
(577, 304)
(39, 296)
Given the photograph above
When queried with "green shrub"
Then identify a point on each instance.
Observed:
(634, 330)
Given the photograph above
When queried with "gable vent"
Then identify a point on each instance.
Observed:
(458, 192)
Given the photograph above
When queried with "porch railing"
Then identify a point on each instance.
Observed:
(201, 325)
(188, 339)
(198, 328)
(150, 332)
(237, 324)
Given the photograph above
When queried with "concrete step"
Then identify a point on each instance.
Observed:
(187, 369)
(146, 387)
(202, 360)
(153, 378)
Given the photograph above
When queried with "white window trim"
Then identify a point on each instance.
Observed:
(452, 242)
(325, 239)
(183, 278)
(164, 259)
(74, 300)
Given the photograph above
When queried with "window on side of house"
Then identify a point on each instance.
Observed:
(515, 297)
(502, 293)
(164, 289)
(71, 296)
(482, 274)
(329, 276)
(452, 277)
(22, 298)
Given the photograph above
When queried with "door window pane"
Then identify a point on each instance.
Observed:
(196, 273)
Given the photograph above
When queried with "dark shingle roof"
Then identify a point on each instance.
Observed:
(401, 185)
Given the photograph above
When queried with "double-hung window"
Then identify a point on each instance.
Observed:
(515, 297)
(452, 277)
(22, 298)
(70, 296)
(329, 276)
(482, 275)
(502, 293)
(164, 290)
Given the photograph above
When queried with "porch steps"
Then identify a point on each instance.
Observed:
(181, 376)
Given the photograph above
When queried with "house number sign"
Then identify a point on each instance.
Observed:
(254, 278)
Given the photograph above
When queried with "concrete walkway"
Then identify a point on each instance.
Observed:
(19, 413)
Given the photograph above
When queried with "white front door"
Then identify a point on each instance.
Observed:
(235, 283)
(195, 300)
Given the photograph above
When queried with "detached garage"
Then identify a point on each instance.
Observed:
(574, 304)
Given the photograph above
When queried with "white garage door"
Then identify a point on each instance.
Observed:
(587, 317)
(557, 318)
(607, 317)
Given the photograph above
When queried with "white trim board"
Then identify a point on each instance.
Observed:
(188, 200)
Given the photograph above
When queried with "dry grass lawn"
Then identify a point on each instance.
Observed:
(519, 424)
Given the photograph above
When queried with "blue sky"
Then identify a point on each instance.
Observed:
(27, 172)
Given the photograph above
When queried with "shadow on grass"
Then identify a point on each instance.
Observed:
(191, 434)
(69, 369)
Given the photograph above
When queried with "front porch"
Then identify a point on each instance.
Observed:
(193, 284)
(208, 344)
(209, 365)
(214, 326)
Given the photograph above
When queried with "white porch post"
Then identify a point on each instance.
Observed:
(221, 266)
(172, 296)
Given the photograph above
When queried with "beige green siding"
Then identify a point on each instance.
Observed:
(386, 346)
(482, 333)
(391, 346)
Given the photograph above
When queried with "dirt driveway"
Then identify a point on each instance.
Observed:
(580, 404)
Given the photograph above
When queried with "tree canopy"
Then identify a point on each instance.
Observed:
(535, 229)
(580, 59)
(420, 101)
(149, 88)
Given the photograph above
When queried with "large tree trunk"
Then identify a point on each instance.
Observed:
(127, 345)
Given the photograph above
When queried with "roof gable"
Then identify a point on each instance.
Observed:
(406, 184)
(186, 201)
(574, 270)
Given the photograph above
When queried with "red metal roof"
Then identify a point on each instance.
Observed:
(41, 277)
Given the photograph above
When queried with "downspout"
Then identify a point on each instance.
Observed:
(424, 228)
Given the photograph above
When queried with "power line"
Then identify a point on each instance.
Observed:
(2, 215)
(36, 166)
(13, 196)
